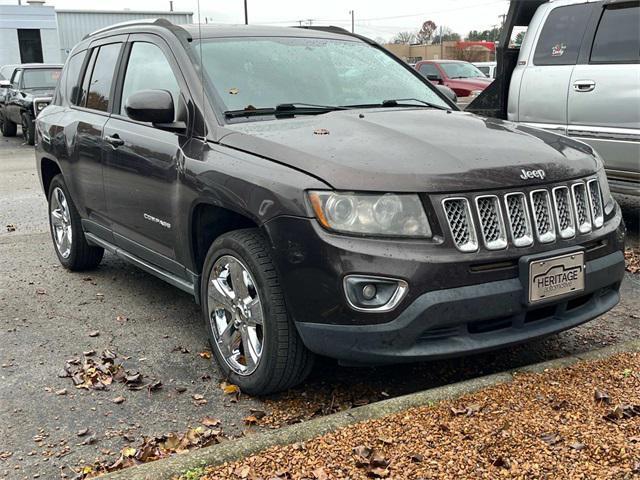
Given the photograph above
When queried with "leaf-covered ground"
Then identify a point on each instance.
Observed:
(580, 422)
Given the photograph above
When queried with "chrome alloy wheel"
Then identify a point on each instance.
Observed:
(61, 222)
(236, 314)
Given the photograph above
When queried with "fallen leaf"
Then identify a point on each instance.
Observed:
(551, 438)
(210, 422)
(62, 391)
(94, 333)
(118, 400)
(229, 388)
(601, 396)
(41, 291)
(181, 389)
(577, 446)
(320, 474)
(416, 457)
(82, 432)
(206, 354)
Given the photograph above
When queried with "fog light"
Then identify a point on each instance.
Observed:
(369, 291)
(374, 294)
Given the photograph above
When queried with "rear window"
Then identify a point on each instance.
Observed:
(561, 36)
(102, 77)
(617, 39)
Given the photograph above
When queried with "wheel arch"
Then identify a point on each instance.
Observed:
(209, 221)
(49, 168)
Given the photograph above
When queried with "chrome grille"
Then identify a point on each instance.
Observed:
(461, 223)
(519, 223)
(562, 211)
(491, 222)
(541, 206)
(581, 207)
(595, 200)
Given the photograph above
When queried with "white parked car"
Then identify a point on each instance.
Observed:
(488, 68)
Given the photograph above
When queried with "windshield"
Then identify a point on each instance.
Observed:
(461, 70)
(40, 78)
(265, 72)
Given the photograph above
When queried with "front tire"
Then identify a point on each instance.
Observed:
(28, 129)
(8, 128)
(251, 333)
(69, 241)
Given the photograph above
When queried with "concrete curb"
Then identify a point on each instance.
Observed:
(236, 449)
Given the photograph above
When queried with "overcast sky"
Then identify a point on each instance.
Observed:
(380, 18)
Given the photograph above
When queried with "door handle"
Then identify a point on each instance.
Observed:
(115, 141)
(584, 85)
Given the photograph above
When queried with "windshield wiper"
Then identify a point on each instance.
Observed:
(285, 109)
(399, 102)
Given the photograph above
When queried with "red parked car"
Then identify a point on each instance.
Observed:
(462, 77)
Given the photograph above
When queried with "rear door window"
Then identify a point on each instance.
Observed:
(102, 77)
(617, 39)
(561, 36)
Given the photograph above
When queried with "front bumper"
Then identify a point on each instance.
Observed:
(456, 304)
(466, 320)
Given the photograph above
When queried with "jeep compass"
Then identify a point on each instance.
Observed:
(316, 195)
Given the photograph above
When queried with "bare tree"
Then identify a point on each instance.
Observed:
(404, 38)
(426, 32)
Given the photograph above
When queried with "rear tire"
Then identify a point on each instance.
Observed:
(28, 129)
(283, 360)
(69, 241)
(8, 128)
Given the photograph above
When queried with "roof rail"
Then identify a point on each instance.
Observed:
(334, 29)
(160, 22)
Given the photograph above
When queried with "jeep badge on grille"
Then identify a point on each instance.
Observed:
(528, 174)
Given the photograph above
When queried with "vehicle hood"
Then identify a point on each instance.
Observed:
(477, 83)
(412, 150)
(37, 92)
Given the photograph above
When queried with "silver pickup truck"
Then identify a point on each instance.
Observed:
(577, 72)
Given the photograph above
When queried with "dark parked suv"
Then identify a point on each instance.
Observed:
(317, 195)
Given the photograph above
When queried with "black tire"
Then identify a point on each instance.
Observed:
(285, 361)
(28, 129)
(81, 256)
(8, 128)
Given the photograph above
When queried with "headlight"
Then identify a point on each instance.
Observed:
(604, 185)
(606, 192)
(389, 215)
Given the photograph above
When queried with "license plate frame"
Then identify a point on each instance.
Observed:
(557, 276)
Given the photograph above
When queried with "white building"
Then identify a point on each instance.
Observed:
(36, 32)
(28, 34)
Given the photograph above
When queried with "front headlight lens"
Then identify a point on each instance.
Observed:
(389, 215)
(607, 198)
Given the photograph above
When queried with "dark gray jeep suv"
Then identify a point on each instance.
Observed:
(317, 195)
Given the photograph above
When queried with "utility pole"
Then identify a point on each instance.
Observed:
(246, 13)
(441, 44)
(502, 17)
(352, 12)
(171, 5)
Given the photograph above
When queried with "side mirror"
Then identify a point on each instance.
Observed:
(5, 84)
(449, 93)
(434, 78)
(153, 106)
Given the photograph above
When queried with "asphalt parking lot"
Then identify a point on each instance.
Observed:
(49, 315)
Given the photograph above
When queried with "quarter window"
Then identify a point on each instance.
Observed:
(102, 76)
(71, 84)
(561, 36)
(427, 69)
(617, 39)
(148, 68)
